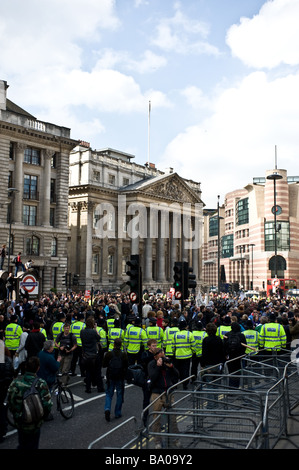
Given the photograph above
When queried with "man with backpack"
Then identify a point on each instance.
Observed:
(235, 346)
(116, 362)
(29, 419)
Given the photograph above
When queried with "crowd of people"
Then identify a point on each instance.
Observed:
(66, 334)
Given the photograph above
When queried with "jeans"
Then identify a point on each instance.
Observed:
(117, 385)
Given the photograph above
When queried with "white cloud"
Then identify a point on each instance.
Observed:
(268, 39)
(177, 34)
(240, 136)
(149, 62)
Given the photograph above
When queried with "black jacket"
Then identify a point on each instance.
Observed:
(161, 377)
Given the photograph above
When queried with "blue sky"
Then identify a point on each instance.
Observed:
(221, 75)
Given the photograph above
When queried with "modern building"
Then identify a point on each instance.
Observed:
(118, 208)
(34, 179)
(252, 251)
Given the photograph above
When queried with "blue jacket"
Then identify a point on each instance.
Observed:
(48, 367)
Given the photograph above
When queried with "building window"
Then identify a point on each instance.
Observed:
(11, 151)
(110, 264)
(52, 216)
(54, 247)
(126, 181)
(227, 244)
(282, 236)
(32, 156)
(53, 191)
(53, 160)
(97, 176)
(32, 246)
(30, 187)
(29, 215)
(213, 227)
(242, 211)
(95, 263)
(111, 179)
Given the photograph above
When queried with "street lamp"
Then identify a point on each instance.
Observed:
(11, 192)
(218, 256)
(252, 245)
(275, 176)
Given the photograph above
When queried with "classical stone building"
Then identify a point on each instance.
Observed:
(34, 178)
(249, 253)
(118, 208)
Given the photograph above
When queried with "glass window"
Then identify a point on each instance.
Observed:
(54, 247)
(242, 212)
(32, 156)
(282, 236)
(32, 246)
(95, 263)
(52, 216)
(29, 215)
(227, 245)
(30, 187)
(110, 264)
(213, 226)
(53, 191)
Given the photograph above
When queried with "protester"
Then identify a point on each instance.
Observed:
(116, 362)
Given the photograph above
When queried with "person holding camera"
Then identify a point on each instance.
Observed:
(162, 375)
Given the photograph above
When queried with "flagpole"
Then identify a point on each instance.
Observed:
(149, 125)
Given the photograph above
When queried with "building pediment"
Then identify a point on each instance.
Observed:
(168, 187)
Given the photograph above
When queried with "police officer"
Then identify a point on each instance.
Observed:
(155, 332)
(135, 341)
(223, 329)
(115, 332)
(252, 338)
(12, 335)
(101, 329)
(76, 327)
(168, 337)
(272, 335)
(199, 334)
(183, 348)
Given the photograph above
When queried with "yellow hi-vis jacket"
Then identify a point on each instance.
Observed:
(252, 339)
(198, 337)
(168, 339)
(272, 336)
(155, 332)
(135, 337)
(114, 333)
(103, 335)
(222, 330)
(12, 334)
(183, 344)
(76, 329)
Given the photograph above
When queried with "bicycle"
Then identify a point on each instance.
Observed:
(64, 399)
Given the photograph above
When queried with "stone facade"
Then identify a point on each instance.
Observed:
(118, 208)
(34, 158)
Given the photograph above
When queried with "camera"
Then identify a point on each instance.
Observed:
(166, 360)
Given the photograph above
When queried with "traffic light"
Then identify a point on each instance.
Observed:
(135, 279)
(75, 279)
(189, 279)
(178, 277)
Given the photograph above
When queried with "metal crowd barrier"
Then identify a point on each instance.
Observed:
(246, 409)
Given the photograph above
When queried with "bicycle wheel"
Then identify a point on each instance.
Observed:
(66, 402)
(9, 417)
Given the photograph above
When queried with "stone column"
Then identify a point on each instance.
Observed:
(17, 215)
(47, 154)
(148, 275)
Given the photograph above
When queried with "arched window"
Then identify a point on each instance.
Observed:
(280, 267)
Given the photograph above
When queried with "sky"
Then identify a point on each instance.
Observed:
(209, 88)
